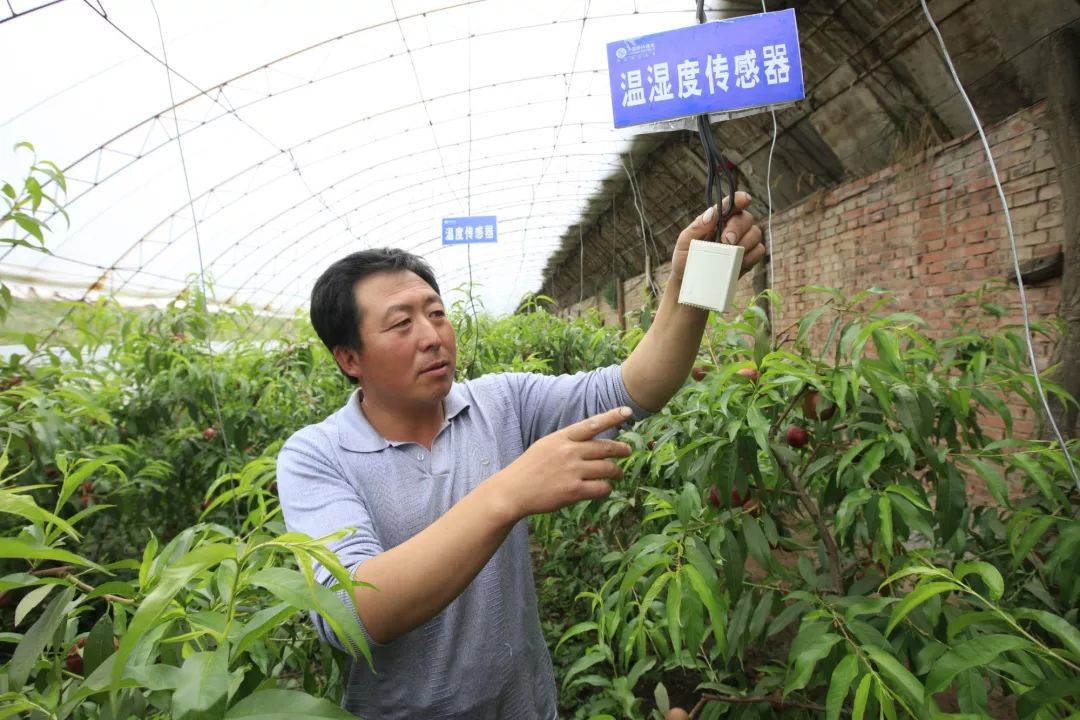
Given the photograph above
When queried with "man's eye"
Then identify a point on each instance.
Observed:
(403, 323)
(439, 313)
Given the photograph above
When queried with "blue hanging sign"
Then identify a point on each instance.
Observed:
(464, 230)
(714, 67)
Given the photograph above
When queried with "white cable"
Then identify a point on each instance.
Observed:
(768, 191)
(1012, 244)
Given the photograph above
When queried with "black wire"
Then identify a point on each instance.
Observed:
(714, 160)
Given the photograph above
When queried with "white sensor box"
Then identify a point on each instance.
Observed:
(712, 272)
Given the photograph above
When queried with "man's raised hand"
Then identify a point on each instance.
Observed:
(565, 467)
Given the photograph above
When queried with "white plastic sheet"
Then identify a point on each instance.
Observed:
(309, 130)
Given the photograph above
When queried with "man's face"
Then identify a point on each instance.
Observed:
(408, 348)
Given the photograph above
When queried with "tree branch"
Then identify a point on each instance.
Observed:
(831, 550)
(775, 700)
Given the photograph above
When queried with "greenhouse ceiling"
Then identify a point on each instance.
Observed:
(259, 141)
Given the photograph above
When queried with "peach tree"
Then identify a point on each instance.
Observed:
(823, 525)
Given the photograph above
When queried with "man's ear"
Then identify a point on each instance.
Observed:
(348, 359)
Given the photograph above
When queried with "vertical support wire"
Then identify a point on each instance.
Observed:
(468, 192)
(214, 393)
(1012, 243)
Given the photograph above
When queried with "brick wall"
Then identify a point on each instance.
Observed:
(929, 229)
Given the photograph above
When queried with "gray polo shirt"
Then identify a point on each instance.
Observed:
(484, 656)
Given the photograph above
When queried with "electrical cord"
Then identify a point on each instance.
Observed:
(715, 161)
(768, 242)
(1012, 243)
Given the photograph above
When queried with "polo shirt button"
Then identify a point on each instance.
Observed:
(419, 456)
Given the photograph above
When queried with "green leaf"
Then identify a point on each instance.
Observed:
(660, 695)
(951, 502)
(259, 625)
(807, 659)
(203, 689)
(915, 519)
(1037, 474)
(961, 622)
(995, 483)
(916, 570)
(862, 692)
(1049, 691)
(23, 549)
(840, 388)
(761, 616)
(888, 350)
(973, 653)
(787, 616)
(871, 460)
(704, 593)
(846, 512)
(149, 553)
(756, 542)
(156, 677)
(908, 494)
(581, 664)
(701, 559)
(971, 692)
(1066, 631)
(275, 704)
(99, 645)
(885, 516)
(886, 706)
(577, 629)
(79, 475)
(868, 606)
(30, 225)
(673, 610)
(842, 678)
(172, 581)
(13, 704)
(641, 565)
(759, 426)
(687, 504)
(36, 639)
(736, 626)
(25, 507)
(1031, 537)
(292, 587)
(917, 597)
(807, 321)
(901, 679)
(849, 455)
(30, 601)
(989, 574)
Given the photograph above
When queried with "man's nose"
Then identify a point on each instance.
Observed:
(429, 334)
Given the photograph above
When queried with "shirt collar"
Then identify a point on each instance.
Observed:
(356, 434)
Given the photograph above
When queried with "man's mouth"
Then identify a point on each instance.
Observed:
(435, 368)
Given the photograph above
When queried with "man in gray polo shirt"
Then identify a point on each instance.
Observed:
(437, 479)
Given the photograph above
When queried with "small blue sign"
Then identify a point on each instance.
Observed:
(464, 230)
(713, 67)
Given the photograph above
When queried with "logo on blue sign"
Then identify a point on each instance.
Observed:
(715, 67)
(464, 230)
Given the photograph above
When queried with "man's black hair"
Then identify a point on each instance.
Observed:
(334, 312)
